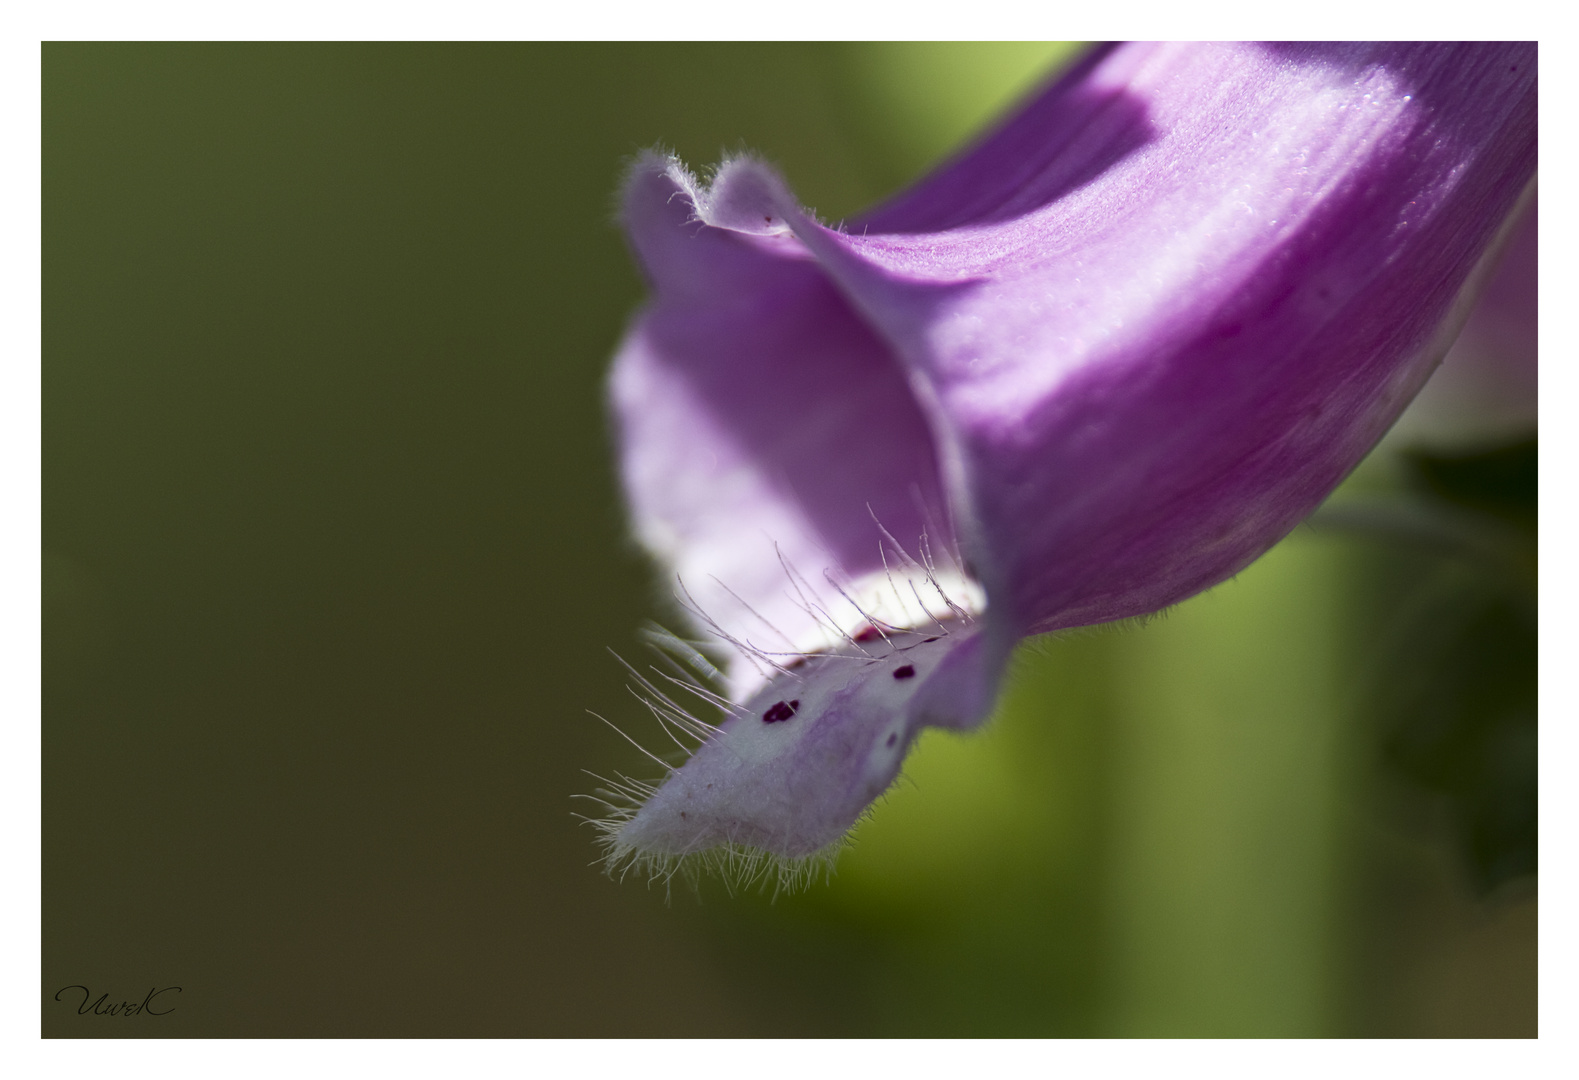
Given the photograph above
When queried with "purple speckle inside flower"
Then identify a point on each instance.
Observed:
(906, 672)
(892, 739)
(780, 711)
(868, 633)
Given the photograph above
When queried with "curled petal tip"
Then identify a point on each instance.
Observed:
(748, 196)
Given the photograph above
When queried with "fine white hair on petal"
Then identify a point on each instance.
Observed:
(788, 772)
(775, 780)
(747, 196)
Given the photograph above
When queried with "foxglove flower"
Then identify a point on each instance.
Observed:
(1100, 362)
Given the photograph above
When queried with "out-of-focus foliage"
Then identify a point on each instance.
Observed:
(920, 101)
(1455, 690)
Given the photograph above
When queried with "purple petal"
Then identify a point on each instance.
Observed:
(1151, 379)
(765, 432)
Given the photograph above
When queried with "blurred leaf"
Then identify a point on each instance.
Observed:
(1501, 481)
(1461, 712)
(1456, 691)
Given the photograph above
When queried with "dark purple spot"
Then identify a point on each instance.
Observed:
(928, 641)
(795, 663)
(766, 218)
(780, 712)
(682, 815)
(904, 672)
(892, 739)
(868, 633)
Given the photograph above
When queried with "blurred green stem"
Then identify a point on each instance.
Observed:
(1226, 875)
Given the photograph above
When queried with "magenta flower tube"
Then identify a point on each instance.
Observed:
(1101, 361)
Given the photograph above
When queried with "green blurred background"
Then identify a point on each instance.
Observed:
(333, 554)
